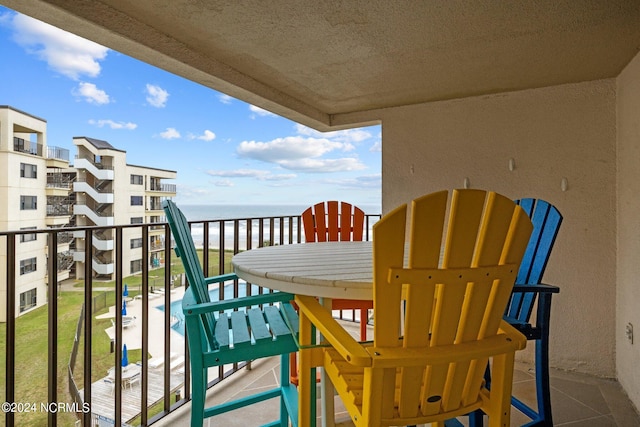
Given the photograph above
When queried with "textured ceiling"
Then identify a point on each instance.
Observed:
(333, 63)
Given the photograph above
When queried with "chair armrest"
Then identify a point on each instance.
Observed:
(506, 341)
(340, 340)
(537, 288)
(221, 278)
(514, 335)
(522, 323)
(191, 308)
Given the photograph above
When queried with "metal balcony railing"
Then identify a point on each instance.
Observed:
(25, 146)
(78, 361)
(59, 210)
(57, 153)
(166, 188)
(59, 180)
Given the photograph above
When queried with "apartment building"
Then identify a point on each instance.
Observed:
(35, 193)
(108, 192)
(39, 189)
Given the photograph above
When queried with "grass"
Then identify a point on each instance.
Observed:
(31, 346)
(156, 276)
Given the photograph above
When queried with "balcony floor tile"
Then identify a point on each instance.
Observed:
(578, 400)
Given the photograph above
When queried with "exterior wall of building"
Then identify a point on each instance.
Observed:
(628, 206)
(133, 199)
(26, 158)
(551, 133)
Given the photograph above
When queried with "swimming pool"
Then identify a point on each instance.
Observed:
(177, 318)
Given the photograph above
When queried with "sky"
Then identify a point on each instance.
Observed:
(225, 151)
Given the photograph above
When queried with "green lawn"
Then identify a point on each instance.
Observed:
(31, 346)
(156, 276)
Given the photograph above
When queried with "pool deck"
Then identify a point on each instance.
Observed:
(102, 392)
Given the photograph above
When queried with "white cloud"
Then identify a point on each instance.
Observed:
(170, 133)
(238, 173)
(280, 177)
(156, 96)
(113, 125)
(323, 165)
(207, 136)
(289, 148)
(259, 174)
(223, 183)
(301, 154)
(260, 112)
(65, 53)
(225, 99)
(91, 93)
(376, 147)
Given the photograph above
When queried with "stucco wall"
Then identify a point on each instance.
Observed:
(552, 133)
(628, 275)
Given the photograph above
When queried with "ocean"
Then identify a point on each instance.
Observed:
(206, 212)
(217, 212)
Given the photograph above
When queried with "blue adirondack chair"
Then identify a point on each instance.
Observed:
(209, 326)
(546, 223)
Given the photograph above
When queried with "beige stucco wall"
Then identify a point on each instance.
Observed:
(628, 274)
(552, 133)
(12, 186)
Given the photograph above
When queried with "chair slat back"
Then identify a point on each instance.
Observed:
(455, 297)
(186, 251)
(333, 221)
(546, 223)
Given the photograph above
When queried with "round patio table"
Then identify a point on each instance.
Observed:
(325, 269)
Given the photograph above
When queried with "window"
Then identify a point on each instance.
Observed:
(28, 299)
(136, 200)
(28, 203)
(28, 265)
(28, 237)
(136, 179)
(136, 220)
(28, 171)
(136, 266)
(136, 243)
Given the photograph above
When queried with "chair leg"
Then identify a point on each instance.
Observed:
(499, 408)
(543, 395)
(364, 318)
(476, 419)
(293, 368)
(543, 389)
(284, 385)
(199, 387)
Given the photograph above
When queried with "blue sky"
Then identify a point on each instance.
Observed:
(224, 150)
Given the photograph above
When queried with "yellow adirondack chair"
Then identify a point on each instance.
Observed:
(437, 317)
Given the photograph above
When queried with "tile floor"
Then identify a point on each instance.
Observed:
(578, 400)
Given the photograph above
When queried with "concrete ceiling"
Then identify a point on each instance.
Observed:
(332, 64)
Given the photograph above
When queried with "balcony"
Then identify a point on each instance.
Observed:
(57, 157)
(70, 358)
(58, 153)
(161, 396)
(21, 145)
(58, 211)
(163, 188)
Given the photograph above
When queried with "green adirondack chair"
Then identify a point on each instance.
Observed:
(259, 326)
